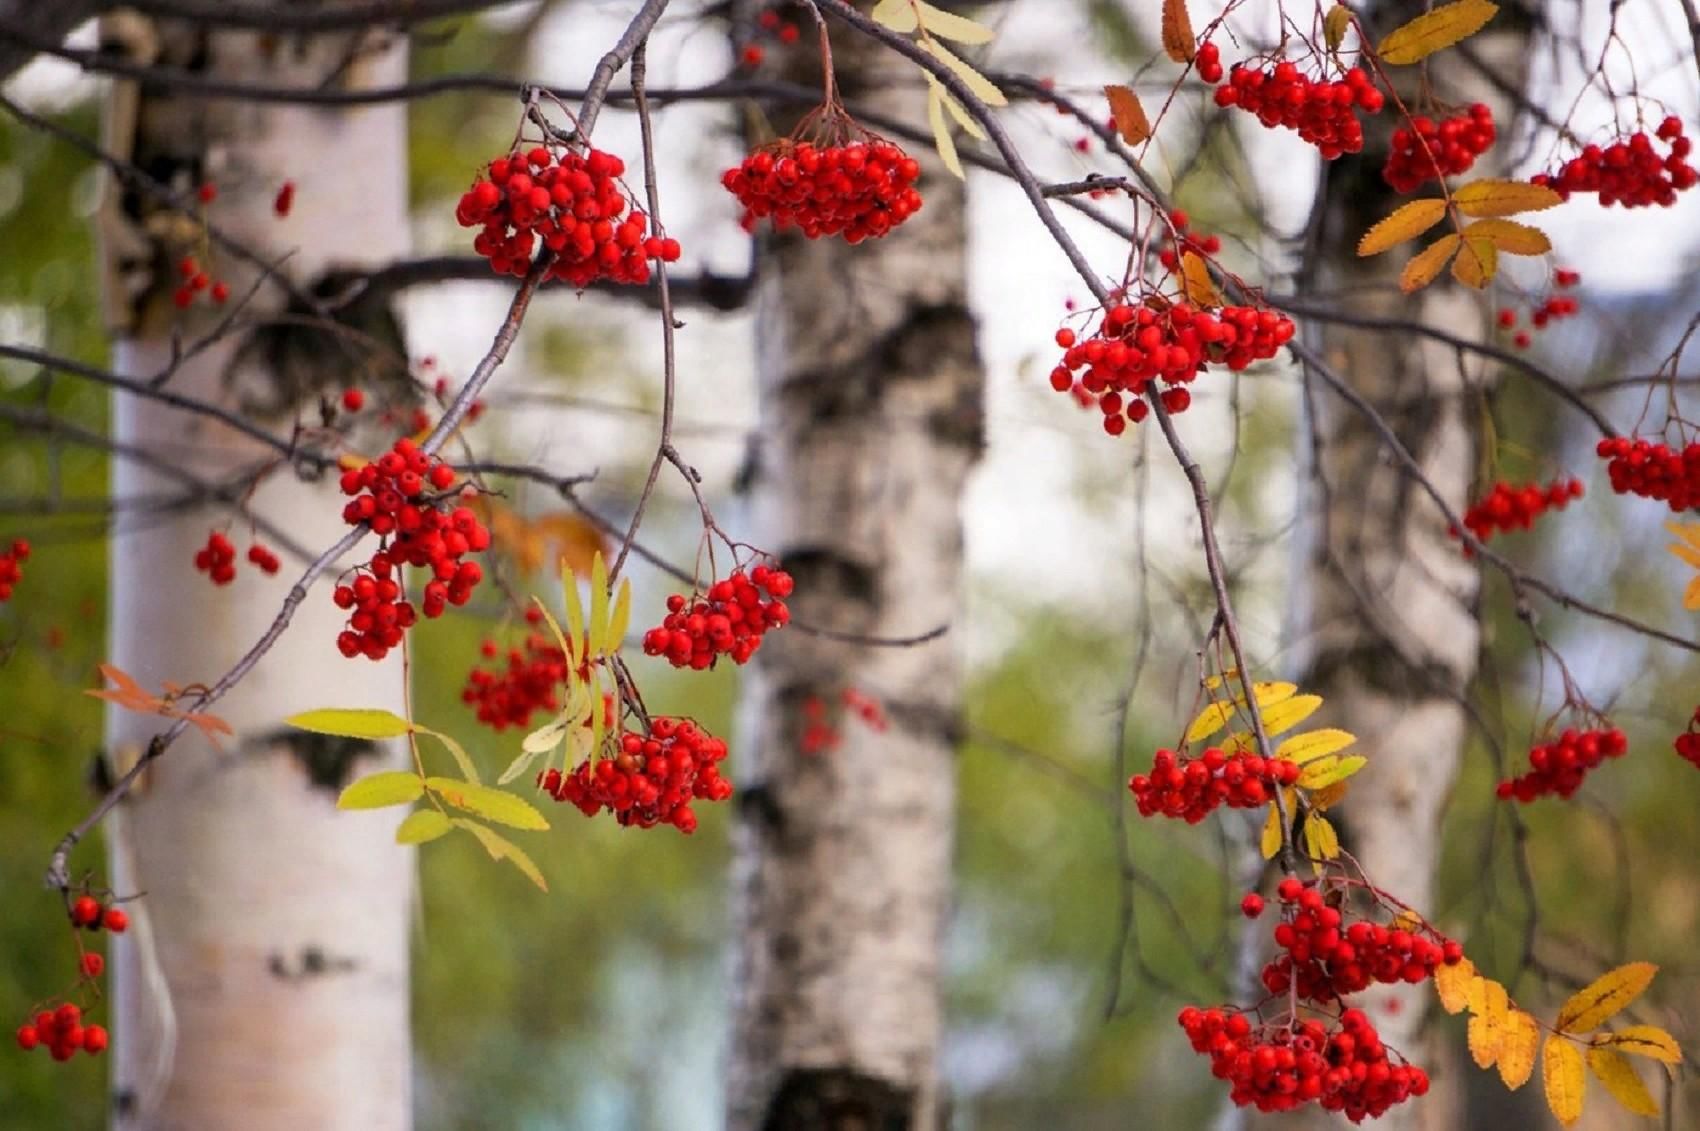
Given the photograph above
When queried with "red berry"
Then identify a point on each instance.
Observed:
(353, 400)
(115, 920)
(1252, 905)
(92, 964)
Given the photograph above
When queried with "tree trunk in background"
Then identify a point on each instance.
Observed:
(1392, 638)
(264, 985)
(871, 419)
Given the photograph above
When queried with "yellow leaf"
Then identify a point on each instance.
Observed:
(1314, 744)
(501, 848)
(1289, 713)
(1503, 198)
(1476, 263)
(493, 804)
(1195, 279)
(1688, 531)
(381, 790)
(942, 141)
(520, 764)
(468, 770)
(1452, 984)
(1334, 26)
(596, 628)
(351, 722)
(1438, 28)
(963, 118)
(1691, 595)
(422, 825)
(1428, 263)
(1331, 771)
(1178, 41)
(1216, 714)
(1487, 1024)
(1406, 222)
(1213, 718)
(1128, 114)
(1321, 841)
(1511, 237)
(898, 15)
(1271, 834)
(1602, 998)
(979, 85)
(1686, 553)
(621, 618)
(1329, 796)
(1647, 1040)
(1561, 1073)
(952, 26)
(1618, 1075)
(1517, 1048)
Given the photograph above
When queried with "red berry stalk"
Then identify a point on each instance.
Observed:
(530, 682)
(1688, 742)
(62, 1033)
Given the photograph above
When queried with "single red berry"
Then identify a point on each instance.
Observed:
(115, 920)
(95, 1040)
(92, 964)
(207, 193)
(28, 1037)
(85, 911)
(353, 400)
(285, 198)
(1252, 905)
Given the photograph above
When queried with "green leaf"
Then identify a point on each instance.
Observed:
(898, 15)
(554, 625)
(501, 848)
(621, 618)
(575, 615)
(422, 825)
(979, 85)
(351, 722)
(381, 790)
(491, 804)
(952, 26)
(468, 769)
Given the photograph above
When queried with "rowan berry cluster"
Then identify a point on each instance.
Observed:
(194, 281)
(1630, 171)
(1208, 60)
(217, 559)
(1506, 508)
(508, 696)
(88, 913)
(1653, 470)
(770, 23)
(1190, 788)
(1324, 959)
(393, 495)
(1322, 111)
(62, 1032)
(572, 204)
(859, 190)
(730, 619)
(1428, 151)
(1283, 1066)
(652, 780)
(1181, 241)
(12, 567)
(1552, 309)
(1135, 345)
(1558, 767)
(1688, 742)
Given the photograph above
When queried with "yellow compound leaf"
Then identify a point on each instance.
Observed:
(950, 25)
(491, 804)
(1649, 1041)
(1434, 30)
(1510, 237)
(468, 769)
(1178, 41)
(1406, 222)
(1331, 771)
(1602, 998)
(1195, 278)
(1314, 744)
(501, 848)
(1428, 263)
(1452, 985)
(1503, 198)
(1517, 1048)
(898, 15)
(1613, 1070)
(1281, 717)
(1128, 114)
(1563, 1078)
(1476, 263)
(1321, 841)
(1271, 843)
(1334, 26)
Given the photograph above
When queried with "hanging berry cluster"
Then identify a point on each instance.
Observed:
(88, 913)
(858, 189)
(508, 697)
(652, 780)
(393, 495)
(62, 1032)
(730, 619)
(1506, 508)
(1554, 308)
(1181, 241)
(770, 23)
(1559, 766)
(217, 559)
(1190, 788)
(571, 204)
(1321, 110)
(1688, 742)
(1653, 470)
(1323, 959)
(1155, 340)
(1630, 171)
(194, 282)
(1428, 151)
(12, 567)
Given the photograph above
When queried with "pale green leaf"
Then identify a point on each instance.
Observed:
(351, 722)
(942, 141)
(979, 85)
(621, 617)
(546, 737)
(381, 790)
(422, 825)
(597, 627)
(468, 770)
(518, 766)
(493, 804)
(501, 848)
(952, 26)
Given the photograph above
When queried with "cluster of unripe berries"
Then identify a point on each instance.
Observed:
(860, 190)
(509, 696)
(217, 559)
(62, 1032)
(1688, 742)
(572, 204)
(1323, 959)
(1630, 171)
(1181, 241)
(392, 495)
(195, 281)
(1283, 1066)
(1506, 508)
(1427, 150)
(1558, 767)
(1189, 788)
(1554, 308)
(730, 619)
(1653, 470)
(1135, 345)
(1322, 111)
(769, 23)
(652, 780)
(12, 567)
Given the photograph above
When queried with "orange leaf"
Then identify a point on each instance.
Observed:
(131, 696)
(1406, 222)
(1427, 263)
(1433, 30)
(1477, 262)
(1178, 41)
(1130, 117)
(1334, 26)
(1195, 277)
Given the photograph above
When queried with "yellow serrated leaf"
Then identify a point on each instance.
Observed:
(1510, 237)
(575, 642)
(979, 85)
(1647, 1040)
(523, 763)
(963, 118)
(1452, 985)
(1321, 841)
(1334, 26)
(942, 141)
(1128, 114)
(1602, 998)
(1406, 222)
(1517, 1048)
(1213, 718)
(1476, 263)
(1314, 744)
(1281, 717)
(1271, 842)
(1613, 1070)
(492, 804)
(1428, 263)
(898, 15)
(381, 790)
(1331, 770)
(543, 739)
(952, 26)
(1329, 796)
(468, 769)
(1217, 713)
(421, 826)
(1487, 1024)
(1178, 41)
(596, 642)
(1196, 281)
(501, 848)
(351, 722)
(621, 618)
(1491, 197)
(1434, 30)
(1562, 1075)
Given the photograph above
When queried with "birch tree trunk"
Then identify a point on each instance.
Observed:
(871, 419)
(264, 984)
